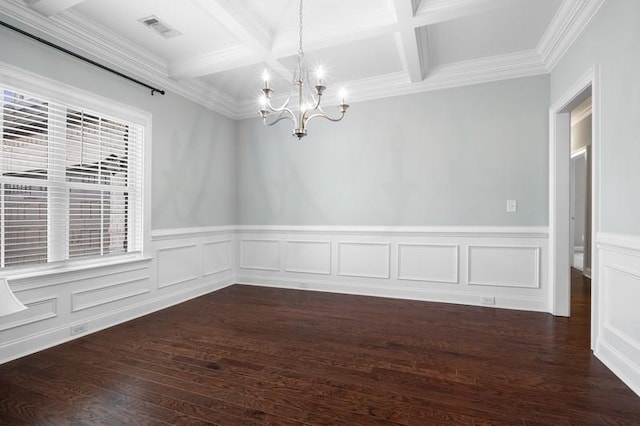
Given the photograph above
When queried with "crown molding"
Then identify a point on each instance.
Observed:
(568, 23)
(483, 70)
(71, 29)
(213, 62)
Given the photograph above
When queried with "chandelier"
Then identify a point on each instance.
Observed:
(308, 100)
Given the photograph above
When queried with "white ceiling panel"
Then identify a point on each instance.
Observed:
(354, 61)
(200, 33)
(246, 82)
(518, 27)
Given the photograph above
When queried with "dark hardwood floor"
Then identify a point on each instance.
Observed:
(249, 355)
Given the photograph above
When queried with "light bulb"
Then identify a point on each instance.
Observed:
(320, 74)
(343, 95)
(265, 77)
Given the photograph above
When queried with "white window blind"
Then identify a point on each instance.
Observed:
(71, 182)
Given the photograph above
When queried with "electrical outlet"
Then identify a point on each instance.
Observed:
(79, 328)
(488, 300)
(512, 206)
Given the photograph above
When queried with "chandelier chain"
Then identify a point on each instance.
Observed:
(300, 51)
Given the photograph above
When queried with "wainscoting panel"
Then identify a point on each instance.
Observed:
(504, 266)
(622, 285)
(177, 265)
(67, 303)
(433, 264)
(617, 313)
(91, 298)
(364, 259)
(428, 262)
(217, 257)
(260, 254)
(38, 310)
(308, 257)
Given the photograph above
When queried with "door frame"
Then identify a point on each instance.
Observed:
(559, 196)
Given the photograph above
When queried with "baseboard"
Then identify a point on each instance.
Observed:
(623, 367)
(394, 292)
(55, 336)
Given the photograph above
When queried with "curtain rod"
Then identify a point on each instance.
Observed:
(82, 58)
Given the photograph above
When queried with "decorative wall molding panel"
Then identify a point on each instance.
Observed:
(504, 266)
(618, 316)
(364, 259)
(217, 257)
(310, 257)
(66, 304)
(260, 254)
(422, 263)
(38, 310)
(177, 265)
(91, 298)
(428, 262)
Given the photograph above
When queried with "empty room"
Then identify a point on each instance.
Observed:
(304, 212)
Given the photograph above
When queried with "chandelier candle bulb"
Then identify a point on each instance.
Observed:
(319, 75)
(265, 77)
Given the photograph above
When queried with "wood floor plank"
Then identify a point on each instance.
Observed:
(256, 356)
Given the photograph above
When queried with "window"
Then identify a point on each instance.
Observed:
(70, 181)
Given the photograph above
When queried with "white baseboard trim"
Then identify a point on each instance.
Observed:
(394, 292)
(55, 336)
(623, 367)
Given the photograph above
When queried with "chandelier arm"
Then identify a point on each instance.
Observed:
(324, 115)
(281, 117)
(281, 108)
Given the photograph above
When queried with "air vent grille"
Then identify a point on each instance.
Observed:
(162, 28)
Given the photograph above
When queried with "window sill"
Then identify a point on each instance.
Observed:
(51, 270)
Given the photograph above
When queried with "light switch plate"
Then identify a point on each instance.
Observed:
(512, 206)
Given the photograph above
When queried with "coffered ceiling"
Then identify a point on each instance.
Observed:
(375, 48)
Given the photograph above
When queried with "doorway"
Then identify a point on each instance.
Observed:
(560, 251)
(580, 187)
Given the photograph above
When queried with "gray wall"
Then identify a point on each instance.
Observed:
(193, 147)
(449, 157)
(612, 41)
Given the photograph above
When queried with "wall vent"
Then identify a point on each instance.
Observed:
(159, 27)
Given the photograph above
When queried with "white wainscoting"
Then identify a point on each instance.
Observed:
(178, 265)
(364, 259)
(63, 305)
(618, 310)
(260, 254)
(504, 266)
(310, 257)
(458, 265)
(429, 262)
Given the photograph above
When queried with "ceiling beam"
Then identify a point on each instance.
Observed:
(261, 47)
(52, 7)
(239, 21)
(434, 11)
(411, 48)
